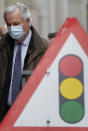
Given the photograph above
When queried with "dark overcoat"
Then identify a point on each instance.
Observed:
(35, 51)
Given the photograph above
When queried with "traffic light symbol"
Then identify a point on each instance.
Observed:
(71, 90)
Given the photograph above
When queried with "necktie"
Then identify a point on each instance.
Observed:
(16, 82)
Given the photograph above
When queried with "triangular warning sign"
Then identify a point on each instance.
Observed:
(55, 96)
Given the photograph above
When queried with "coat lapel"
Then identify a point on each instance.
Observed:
(34, 49)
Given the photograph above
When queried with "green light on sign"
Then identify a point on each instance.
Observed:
(72, 111)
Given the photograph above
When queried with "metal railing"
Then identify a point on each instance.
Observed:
(25, 76)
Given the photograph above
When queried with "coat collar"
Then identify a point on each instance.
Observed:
(36, 45)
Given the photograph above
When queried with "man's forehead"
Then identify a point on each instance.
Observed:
(14, 16)
(14, 13)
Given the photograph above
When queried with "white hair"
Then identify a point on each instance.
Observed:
(25, 12)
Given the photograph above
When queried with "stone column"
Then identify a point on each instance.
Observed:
(61, 13)
(2, 6)
(84, 14)
(43, 17)
(51, 15)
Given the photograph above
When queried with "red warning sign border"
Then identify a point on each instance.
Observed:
(71, 25)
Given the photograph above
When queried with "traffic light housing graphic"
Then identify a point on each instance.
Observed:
(71, 90)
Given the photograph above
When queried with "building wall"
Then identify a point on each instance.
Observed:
(49, 15)
(77, 8)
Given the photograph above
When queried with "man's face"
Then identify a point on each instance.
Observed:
(14, 19)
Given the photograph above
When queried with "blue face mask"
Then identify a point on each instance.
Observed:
(16, 32)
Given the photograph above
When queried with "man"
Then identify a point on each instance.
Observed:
(21, 39)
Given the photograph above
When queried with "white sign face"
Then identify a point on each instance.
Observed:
(43, 109)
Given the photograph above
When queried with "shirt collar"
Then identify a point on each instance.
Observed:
(27, 40)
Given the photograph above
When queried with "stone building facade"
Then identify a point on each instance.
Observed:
(49, 15)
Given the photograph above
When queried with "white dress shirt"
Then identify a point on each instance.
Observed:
(24, 48)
